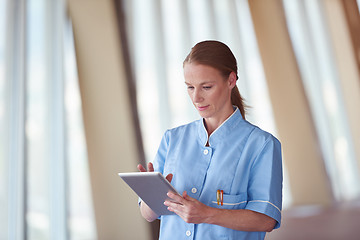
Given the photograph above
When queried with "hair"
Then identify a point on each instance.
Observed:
(219, 56)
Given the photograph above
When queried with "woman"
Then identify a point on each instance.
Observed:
(230, 171)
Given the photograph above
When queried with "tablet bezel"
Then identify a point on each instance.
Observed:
(152, 188)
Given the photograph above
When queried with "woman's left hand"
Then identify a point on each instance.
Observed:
(188, 208)
(193, 211)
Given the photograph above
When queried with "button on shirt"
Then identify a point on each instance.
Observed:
(241, 159)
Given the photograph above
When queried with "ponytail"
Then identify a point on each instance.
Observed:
(238, 101)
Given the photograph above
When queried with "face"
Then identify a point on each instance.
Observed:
(209, 91)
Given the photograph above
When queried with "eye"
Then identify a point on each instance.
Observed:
(190, 87)
(207, 87)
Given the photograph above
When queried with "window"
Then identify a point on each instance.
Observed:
(310, 39)
(3, 142)
(81, 217)
(43, 163)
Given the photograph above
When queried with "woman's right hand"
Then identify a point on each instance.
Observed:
(151, 169)
(145, 210)
(149, 165)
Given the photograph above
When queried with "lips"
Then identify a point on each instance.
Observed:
(202, 108)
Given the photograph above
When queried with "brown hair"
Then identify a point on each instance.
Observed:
(219, 56)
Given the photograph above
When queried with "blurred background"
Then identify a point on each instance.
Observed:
(88, 87)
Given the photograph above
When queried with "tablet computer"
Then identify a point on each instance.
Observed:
(152, 188)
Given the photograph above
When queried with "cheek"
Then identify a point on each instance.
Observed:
(220, 96)
(216, 95)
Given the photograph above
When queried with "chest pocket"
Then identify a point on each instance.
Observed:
(237, 201)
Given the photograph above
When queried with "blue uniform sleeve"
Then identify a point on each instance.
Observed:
(265, 183)
(160, 157)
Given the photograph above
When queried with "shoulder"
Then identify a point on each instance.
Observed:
(182, 129)
(264, 149)
(260, 138)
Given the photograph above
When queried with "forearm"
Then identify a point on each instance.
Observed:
(242, 220)
(147, 212)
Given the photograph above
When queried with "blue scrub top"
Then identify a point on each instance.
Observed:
(241, 159)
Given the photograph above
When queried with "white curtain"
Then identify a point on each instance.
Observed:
(43, 164)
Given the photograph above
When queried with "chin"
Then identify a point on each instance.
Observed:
(204, 114)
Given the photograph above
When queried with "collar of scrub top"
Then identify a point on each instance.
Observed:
(222, 131)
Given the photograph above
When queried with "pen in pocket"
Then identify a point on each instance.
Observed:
(220, 197)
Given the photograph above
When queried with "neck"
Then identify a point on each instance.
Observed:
(212, 124)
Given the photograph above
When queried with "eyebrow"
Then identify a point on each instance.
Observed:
(203, 83)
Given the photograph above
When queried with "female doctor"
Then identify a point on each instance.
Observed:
(228, 170)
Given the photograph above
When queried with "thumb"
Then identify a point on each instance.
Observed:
(186, 196)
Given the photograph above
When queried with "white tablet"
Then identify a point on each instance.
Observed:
(152, 188)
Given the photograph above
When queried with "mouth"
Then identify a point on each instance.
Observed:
(202, 108)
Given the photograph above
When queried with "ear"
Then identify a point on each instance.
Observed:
(232, 80)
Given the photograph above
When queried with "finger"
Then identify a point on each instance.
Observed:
(169, 177)
(170, 209)
(173, 207)
(141, 168)
(187, 197)
(150, 167)
(175, 197)
(170, 203)
(185, 194)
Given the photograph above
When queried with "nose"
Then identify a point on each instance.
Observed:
(197, 96)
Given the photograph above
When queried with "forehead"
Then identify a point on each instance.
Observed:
(200, 72)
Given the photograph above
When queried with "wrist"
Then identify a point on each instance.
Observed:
(147, 212)
(212, 215)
